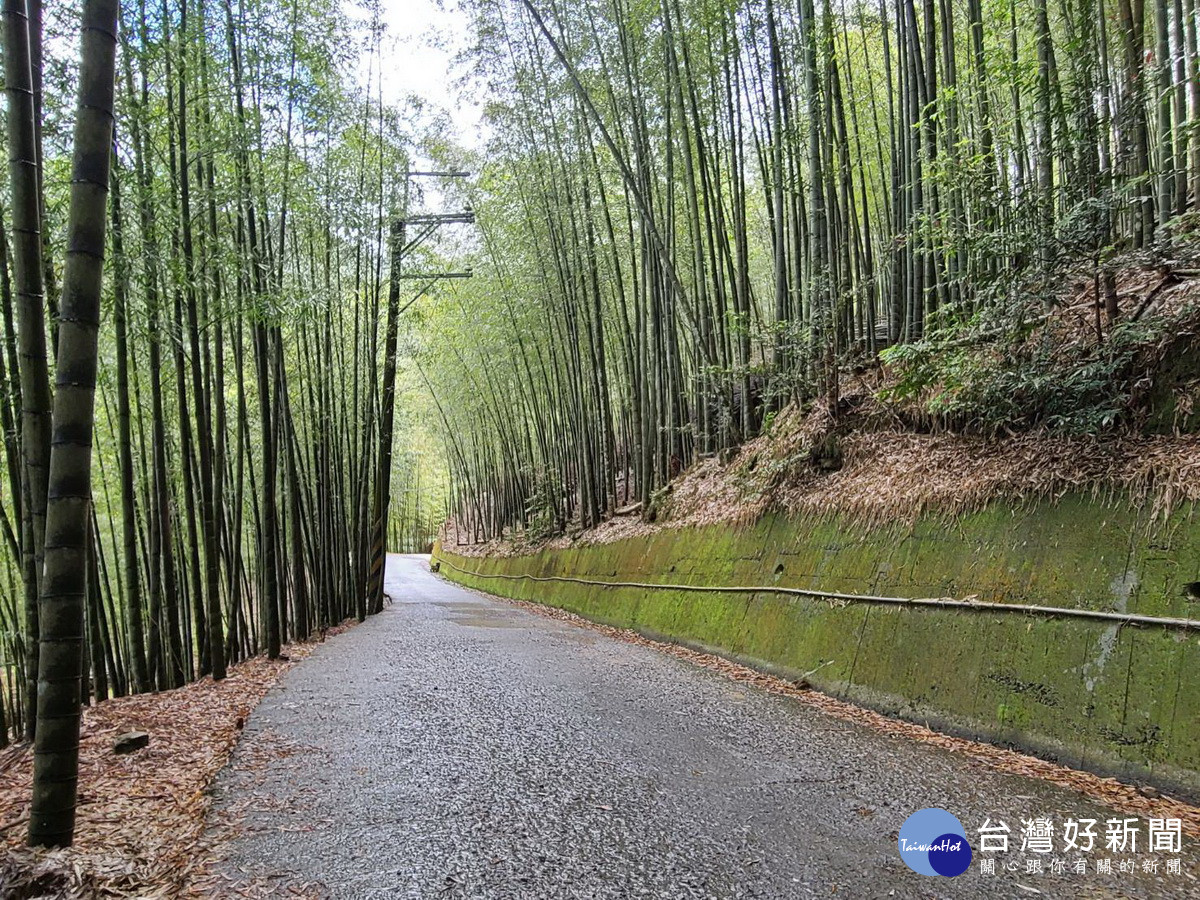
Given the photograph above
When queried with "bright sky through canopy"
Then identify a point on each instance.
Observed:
(419, 49)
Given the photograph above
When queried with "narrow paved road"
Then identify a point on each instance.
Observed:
(457, 746)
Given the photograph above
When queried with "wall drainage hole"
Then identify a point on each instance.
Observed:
(1192, 590)
(779, 570)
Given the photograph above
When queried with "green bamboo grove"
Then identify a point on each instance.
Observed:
(694, 212)
(199, 324)
(220, 399)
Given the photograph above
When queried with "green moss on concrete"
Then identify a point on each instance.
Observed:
(1114, 699)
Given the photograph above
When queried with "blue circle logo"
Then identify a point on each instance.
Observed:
(933, 842)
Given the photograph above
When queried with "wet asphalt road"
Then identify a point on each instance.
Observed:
(457, 746)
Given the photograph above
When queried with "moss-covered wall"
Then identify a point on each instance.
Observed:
(1115, 699)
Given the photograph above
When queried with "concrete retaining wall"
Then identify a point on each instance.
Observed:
(1115, 699)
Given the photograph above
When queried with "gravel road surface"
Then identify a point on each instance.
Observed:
(457, 746)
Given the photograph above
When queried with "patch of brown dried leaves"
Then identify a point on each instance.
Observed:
(140, 827)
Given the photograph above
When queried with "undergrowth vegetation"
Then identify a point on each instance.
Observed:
(1065, 371)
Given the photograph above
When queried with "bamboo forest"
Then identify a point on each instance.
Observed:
(271, 313)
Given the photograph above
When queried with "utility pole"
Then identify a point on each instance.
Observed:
(425, 225)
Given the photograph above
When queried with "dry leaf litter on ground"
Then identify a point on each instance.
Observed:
(140, 830)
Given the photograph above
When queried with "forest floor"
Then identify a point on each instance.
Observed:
(140, 830)
(460, 745)
(897, 460)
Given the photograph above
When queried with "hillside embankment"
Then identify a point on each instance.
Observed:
(1095, 694)
(908, 490)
